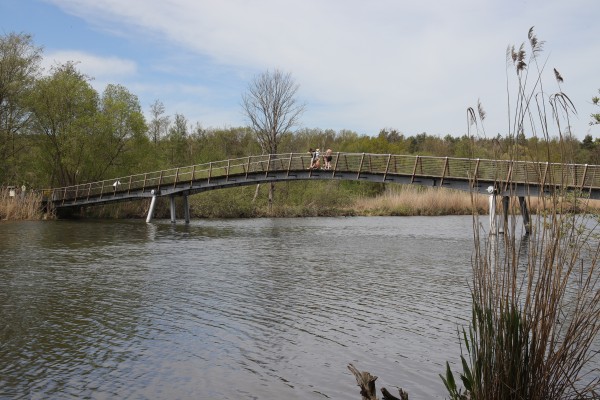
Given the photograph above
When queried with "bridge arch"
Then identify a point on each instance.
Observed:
(496, 177)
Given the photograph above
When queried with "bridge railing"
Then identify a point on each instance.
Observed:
(497, 171)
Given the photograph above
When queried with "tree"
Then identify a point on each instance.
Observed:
(159, 123)
(65, 106)
(121, 123)
(178, 142)
(19, 66)
(272, 109)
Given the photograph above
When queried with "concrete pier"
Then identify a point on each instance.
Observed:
(152, 207)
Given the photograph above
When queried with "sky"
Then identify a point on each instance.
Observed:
(413, 66)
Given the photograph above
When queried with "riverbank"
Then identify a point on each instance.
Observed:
(20, 206)
(325, 200)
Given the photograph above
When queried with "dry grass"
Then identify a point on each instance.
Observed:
(417, 200)
(27, 207)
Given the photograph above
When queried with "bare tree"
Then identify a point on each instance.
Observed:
(272, 109)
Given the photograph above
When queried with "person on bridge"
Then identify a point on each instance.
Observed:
(328, 157)
(317, 163)
(314, 159)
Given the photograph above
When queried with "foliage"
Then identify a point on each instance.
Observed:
(84, 137)
(64, 108)
(120, 130)
(19, 65)
(595, 116)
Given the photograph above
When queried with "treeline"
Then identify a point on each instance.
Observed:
(57, 130)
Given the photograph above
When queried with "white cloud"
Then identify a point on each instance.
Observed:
(99, 68)
(414, 66)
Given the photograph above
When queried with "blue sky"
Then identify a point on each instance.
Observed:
(414, 66)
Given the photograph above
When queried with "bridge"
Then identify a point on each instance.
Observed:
(496, 177)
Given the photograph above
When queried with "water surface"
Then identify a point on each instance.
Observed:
(230, 309)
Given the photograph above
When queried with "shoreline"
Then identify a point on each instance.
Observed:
(394, 201)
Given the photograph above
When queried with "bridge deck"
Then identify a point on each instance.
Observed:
(508, 177)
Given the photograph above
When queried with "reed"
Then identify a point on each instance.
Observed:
(428, 201)
(20, 207)
(535, 321)
(535, 297)
(411, 200)
(536, 313)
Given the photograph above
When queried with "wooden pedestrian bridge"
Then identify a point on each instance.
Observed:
(496, 177)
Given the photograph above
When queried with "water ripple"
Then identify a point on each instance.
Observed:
(230, 309)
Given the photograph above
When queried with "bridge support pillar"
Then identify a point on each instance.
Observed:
(186, 208)
(525, 213)
(152, 207)
(505, 204)
(492, 210)
(172, 201)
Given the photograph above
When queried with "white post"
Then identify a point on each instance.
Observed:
(186, 208)
(492, 210)
(152, 206)
(173, 218)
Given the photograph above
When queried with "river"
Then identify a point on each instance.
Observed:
(231, 309)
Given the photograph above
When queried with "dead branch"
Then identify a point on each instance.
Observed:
(366, 382)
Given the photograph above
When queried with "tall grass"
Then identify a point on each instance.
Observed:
(417, 200)
(536, 297)
(25, 207)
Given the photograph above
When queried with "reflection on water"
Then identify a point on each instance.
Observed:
(257, 309)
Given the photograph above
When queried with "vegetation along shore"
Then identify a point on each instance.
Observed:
(106, 134)
(298, 199)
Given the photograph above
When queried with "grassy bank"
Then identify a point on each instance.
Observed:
(304, 199)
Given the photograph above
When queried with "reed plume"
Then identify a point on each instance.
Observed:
(535, 296)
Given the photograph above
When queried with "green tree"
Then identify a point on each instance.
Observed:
(64, 106)
(178, 147)
(120, 125)
(19, 67)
